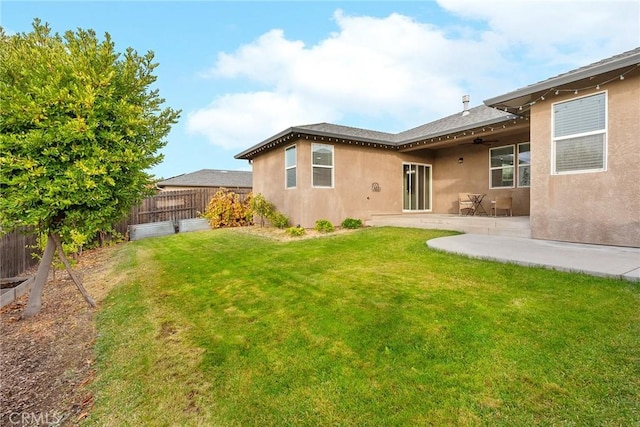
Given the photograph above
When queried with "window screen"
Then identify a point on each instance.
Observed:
(524, 165)
(579, 134)
(290, 162)
(322, 163)
(502, 166)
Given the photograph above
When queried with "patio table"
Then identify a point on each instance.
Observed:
(476, 199)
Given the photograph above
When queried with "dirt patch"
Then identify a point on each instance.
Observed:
(282, 236)
(47, 361)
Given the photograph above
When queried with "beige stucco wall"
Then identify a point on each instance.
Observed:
(356, 169)
(600, 207)
(472, 176)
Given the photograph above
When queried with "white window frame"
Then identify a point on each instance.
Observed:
(331, 167)
(426, 192)
(604, 132)
(289, 167)
(523, 165)
(513, 166)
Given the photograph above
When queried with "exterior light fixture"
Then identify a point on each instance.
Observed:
(460, 160)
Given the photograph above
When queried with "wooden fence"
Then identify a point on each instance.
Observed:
(16, 253)
(172, 206)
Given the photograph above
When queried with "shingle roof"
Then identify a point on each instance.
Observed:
(211, 178)
(630, 59)
(319, 129)
(483, 115)
(476, 117)
(347, 131)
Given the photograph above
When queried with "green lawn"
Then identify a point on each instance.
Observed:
(366, 328)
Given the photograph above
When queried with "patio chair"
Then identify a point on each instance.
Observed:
(464, 202)
(503, 203)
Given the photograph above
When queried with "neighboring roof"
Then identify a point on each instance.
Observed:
(629, 59)
(476, 117)
(211, 178)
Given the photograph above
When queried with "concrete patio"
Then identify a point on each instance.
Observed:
(511, 226)
(508, 239)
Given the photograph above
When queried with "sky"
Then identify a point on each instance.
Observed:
(243, 71)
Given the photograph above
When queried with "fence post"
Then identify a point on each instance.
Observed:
(16, 249)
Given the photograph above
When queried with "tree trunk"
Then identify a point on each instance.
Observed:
(75, 279)
(35, 296)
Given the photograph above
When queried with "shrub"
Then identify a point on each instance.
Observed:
(248, 211)
(351, 223)
(324, 226)
(262, 208)
(279, 220)
(226, 209)
(295, 231)
(266, 210)
(108, 237)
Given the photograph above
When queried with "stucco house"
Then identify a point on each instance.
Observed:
(567, 150)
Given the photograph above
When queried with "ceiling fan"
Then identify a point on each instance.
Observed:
(481, 141)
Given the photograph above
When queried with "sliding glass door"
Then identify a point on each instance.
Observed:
(417, 187)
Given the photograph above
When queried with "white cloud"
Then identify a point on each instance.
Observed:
(264, 60)
(242, 120)
(568, 32)
(404, 71)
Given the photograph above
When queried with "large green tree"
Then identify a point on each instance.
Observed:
(80, 126)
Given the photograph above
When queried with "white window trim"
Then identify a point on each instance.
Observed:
(429, 193)
(518, 163)
(514, 166)
(286, 168)
(604, 131)
(333, 162)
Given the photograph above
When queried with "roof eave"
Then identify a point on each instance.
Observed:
(458, 129)
(251, 152)
(564, 79)
(345, 137)
(244, 155)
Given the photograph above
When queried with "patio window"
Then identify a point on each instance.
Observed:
(290, 162)
(524, 164)
(322, 164)
(502, 166)
(580, 135)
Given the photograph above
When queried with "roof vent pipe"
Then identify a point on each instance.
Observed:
(465, 103)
